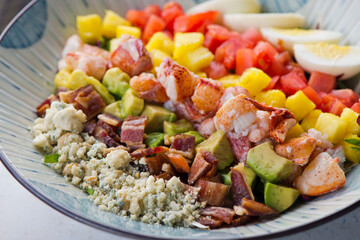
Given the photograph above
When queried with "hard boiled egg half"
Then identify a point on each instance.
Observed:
(329, 58)
(288, 37)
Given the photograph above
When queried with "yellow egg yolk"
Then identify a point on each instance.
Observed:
(328, 51)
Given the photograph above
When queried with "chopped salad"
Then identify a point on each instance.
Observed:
(209, 118)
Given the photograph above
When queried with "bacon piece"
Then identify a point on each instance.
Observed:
(209, 221)
(206, 127)
(89, 127)
(240, 220)
(147, 87)
(178, 162)
(211, 192)
(110, 129)
(199, 168)
(207, 95)
(103, 136)
(258, 209)
(85, 99)
(178, 82)
(240, 146)
(154, 165)
(241, 188)
(183, 144)
(164, 175)
(41, 109)
(132, 130)
(137, 154)
(224, 214)
(131, 56)
(110, 119)
(166, 167)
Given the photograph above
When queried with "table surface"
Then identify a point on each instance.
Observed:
(23, 216)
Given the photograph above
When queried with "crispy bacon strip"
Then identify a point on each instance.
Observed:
(209, 221)
(41, 109)
(224, 214)
(258, 209)
(110, 129)
(132, 130)
(240, 220)
(110, 119)
(199, 168)
(103, 136)
(241, 188)
(240, 146)
(213, 193)
(137, 154)
(85, 99)
(184, 145)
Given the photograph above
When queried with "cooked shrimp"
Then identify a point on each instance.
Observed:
(206, 127)
(231, 92)
(74, 43)
(187, 110)
(321, 176)
(178, 82)
(207, 95)
(236, 114)
(147, 87)
(261, 128)
(297, 150)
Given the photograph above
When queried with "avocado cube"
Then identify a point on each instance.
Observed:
(131, 104)
(156, 115)
(180, 126)
(114, 109)
(154, 139)
(219, 146)
(278, 197)
(249, 175)
(116, 81)
(267, 164)
(198, 137)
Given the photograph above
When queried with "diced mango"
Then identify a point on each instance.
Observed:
(300, 105)
(157, 56)
(201, 74)
(230, 80)
(351, 154)
(89, 27)
(133, 31)
(161, 42)
(114, 44)
(185, 42)
(254, 80)
(350, 116)
(295, 132)
(61, 78)
(275, 98)
(309, 121)
(197, 59)
(331, 125)
(110, 22)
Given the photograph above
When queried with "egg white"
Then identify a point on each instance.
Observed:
(345, 66)
(288, 37)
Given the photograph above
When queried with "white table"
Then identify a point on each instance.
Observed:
(23, 216)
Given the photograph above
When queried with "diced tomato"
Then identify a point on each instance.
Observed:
(274, 83)
(155, 24)
(291, 83)
(245, 58)
(356, 107)
(226, 52)
(252, 34)
(265, 54)
(295, 68)
(216, 35)
(326, 101)
(280, 66)
(215, 70)
(322, 82)
(194, 22)
(153, 9)
(137, 17)
(346, 96)
(312, 95)
(170, 12)
(336, 107)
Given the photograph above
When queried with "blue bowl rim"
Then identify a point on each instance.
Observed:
(26, 184)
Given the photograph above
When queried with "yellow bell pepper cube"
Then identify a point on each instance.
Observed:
(114, 44)
(89, 27)
(110, 22)
(158, 56)
(309, 121)
(201, 74)
(61, 78)
(295, 132)
(350, 116)
(230, 80)
(197, 59)
(133, 31)
(351, 154)
(254, 80)
(185, 42)
(300, 105)
(275, 98)
(161, 42)
(331, 125)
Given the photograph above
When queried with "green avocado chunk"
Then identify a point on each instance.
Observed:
(131, 104)
(220, 147)
(180, 126)
(154, 139)
(198, 137)
(267, 164)
(157, 115)
(278, 197)
(114, 109)
(116, 81)
(249, 175)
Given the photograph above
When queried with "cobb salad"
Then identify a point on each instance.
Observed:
(207, 118)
